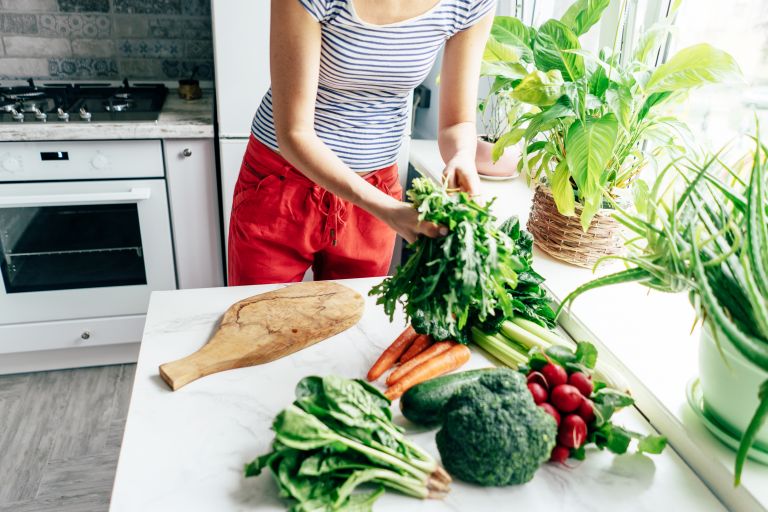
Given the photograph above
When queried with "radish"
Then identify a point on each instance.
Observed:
(587, 411)
(560, 454)
(566, 398)
(582, 382)
(572, 432)
(549, 409)
(538, 378)
(538, 392)
(555, 375)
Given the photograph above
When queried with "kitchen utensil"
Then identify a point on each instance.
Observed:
(189, 88)
(269, 326)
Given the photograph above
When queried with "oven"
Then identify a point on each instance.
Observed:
(85, 237)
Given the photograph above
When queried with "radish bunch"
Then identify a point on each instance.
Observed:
(566, 397)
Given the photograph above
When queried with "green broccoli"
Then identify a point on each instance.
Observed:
(493, 433)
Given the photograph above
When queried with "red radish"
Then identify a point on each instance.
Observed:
(582, 382)
(538, 378)
(572, 432)
(560, 454)
(549, 409)
(538, 392)
(587, 411)
(566, 398)
(555, 375)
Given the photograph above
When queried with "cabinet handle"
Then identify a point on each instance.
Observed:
(86, 335)
(187, 152)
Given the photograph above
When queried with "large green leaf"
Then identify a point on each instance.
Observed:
(549, 50)
(510, 70)
(562, 191)
(496, 51)
(508, 139)
(651, 41)
(512, 32)
(539, 88)
(583, 14)
(693, 67)
(619, 100)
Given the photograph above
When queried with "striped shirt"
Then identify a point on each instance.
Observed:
(367, 73)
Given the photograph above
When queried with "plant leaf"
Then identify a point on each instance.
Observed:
(619, 100)
(508, 139)
(539, 88)
(510, 70)
(694, 66)
(510, 31)
(562, 191)
(652, 444)
(549, 46)
(583, 14)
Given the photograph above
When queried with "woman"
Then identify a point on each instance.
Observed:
(319, 186)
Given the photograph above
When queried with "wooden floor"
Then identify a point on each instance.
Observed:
(60, 435)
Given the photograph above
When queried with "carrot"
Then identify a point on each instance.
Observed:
(446, 362)
(419, 345)
(434, 350)
(388, 358)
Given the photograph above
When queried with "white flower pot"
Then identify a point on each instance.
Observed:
(730, 385)
(506, 166)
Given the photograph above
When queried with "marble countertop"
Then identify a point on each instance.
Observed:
(185, 450)
(636, 326)
(179, 119)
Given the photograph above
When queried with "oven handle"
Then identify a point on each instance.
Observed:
(132, 196)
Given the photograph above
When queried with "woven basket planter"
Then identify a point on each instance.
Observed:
(563, 238)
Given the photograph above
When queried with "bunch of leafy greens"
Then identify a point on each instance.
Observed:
(337, 435)
(709, 238)
(449, 280)
(593, 113)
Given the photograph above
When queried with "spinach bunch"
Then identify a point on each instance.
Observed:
(337, 435)
(449, 280)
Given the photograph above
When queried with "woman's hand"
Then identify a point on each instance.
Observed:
(461, 173)
(403, 218)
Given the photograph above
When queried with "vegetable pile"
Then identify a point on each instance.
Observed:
(464, 275)
(337, 435)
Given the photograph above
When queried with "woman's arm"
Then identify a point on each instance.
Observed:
(459, 77)
(294, 66)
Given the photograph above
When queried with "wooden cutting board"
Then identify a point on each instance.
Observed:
(269, 326)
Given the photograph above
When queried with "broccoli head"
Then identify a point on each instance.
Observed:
(493, 433)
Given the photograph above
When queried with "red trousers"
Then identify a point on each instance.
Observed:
(282, 223)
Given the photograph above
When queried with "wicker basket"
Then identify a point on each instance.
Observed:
(563, 238)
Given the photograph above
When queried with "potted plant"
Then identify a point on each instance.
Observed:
(593, 115)
(710, 239)
(495, 111)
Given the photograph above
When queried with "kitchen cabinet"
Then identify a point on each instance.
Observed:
(193, 192)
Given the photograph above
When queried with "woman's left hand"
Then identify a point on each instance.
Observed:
(461, 173)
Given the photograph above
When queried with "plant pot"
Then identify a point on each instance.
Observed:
(730, 385)
(505, 167)
(563, 238)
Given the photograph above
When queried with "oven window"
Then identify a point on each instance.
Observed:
(68, 247)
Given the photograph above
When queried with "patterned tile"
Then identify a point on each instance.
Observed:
(149, 6)
(197, 7)
(174, 28)
(84, 5)
(90, 26)
(82, 68)
(150, 48)
(18, 24)
(199, 50)
(182, 69)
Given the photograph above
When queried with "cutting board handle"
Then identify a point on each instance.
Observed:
(187, 369)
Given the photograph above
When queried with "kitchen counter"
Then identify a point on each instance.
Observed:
(185, 450)
(179, 119)
(647, 333)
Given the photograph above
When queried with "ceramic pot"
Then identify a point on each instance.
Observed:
(729, 384)
(506, 166)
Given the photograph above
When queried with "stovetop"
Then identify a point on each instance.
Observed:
(81, 103)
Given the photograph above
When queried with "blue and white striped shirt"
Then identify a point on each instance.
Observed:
(366, 75)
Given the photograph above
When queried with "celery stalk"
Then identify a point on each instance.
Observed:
(521, 336)
(542, 332)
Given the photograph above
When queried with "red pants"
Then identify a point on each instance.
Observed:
(282, 223)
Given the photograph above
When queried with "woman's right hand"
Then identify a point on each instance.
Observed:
(403, 218)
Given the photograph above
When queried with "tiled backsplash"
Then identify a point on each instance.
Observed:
(105, 39)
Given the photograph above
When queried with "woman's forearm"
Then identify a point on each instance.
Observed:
(458, 139)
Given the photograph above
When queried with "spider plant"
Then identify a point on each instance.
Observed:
(709, 237)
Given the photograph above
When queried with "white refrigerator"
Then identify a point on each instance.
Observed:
(241, 58)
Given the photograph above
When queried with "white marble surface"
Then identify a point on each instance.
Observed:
(185, 450)
(650, 333)
(179, 119)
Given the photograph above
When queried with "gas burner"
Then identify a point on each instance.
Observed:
(6, 104)
(118, 106)
(26, 95)
(123, 95)
(42, 104)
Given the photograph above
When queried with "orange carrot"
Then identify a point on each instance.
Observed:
(419, 345)
(434, 350)
(443, 363)
(389, 357)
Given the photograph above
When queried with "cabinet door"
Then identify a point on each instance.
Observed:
(193, 193)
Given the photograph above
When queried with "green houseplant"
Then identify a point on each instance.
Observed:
(711, 240)
(592, 114)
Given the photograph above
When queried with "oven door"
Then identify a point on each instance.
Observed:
(83, 249)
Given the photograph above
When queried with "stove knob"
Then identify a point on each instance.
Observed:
(11, 164)
(100, 162)
(63, 116)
